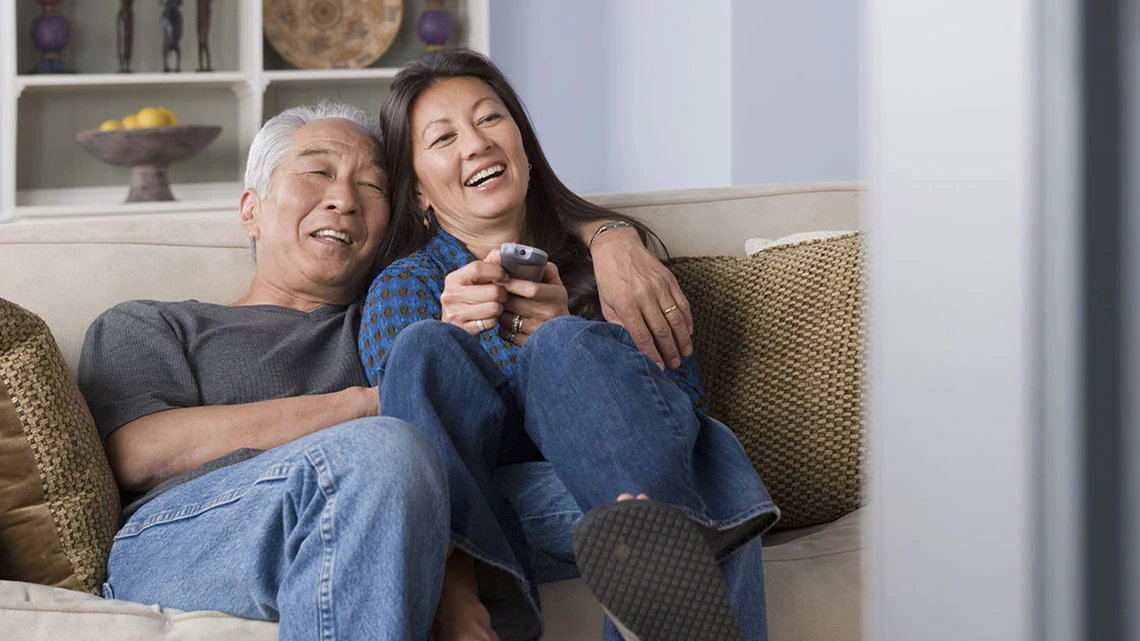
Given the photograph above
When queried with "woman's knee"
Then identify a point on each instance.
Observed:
(427, 334)
(567, 336)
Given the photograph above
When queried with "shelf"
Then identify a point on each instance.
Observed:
(66, 82)
(122, 209)
(108, 201)
(330, 75)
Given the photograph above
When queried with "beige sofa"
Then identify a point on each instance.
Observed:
(69, 271)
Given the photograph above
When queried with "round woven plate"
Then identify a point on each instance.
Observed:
(332, 34)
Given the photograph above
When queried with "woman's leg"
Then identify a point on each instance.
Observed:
(438, 378)
(610, 422)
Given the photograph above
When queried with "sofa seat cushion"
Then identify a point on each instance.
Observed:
(43, 613)
(59, 507)
(780, 337)
(813, 578)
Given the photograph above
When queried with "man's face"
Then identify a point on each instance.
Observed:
(321, 222)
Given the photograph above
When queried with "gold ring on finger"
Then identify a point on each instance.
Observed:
(673, 308)
(516, 327)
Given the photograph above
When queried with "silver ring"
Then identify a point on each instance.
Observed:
(517, 326)
(482, 327)
(666, 311)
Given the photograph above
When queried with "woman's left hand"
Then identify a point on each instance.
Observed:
(531, 303)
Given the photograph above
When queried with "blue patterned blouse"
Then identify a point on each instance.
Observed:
(409, 290)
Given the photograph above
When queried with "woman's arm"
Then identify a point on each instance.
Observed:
(640, 294)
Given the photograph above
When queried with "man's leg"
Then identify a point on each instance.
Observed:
(342, 534)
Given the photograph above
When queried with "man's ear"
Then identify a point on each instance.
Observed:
(250, 207)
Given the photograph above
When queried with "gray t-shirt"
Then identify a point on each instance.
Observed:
(144, 357)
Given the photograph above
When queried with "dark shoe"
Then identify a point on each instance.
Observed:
(651, 568)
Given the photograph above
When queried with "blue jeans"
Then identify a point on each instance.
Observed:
(606, 421)
(340, 534)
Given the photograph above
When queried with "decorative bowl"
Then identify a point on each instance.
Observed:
(148, 152)
(331, 34)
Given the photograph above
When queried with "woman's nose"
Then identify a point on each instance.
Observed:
(475, 142)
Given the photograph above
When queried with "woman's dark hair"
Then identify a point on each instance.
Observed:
(553, 212)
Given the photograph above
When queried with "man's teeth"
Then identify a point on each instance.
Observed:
(490, 172)
(335, 235)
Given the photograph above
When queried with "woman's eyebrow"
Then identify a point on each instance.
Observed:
(423, 132)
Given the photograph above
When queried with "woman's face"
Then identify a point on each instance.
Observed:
(468, 154)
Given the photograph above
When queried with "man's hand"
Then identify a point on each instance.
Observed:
(642, 295)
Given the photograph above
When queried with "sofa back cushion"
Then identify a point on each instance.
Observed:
(780, 337)
(59, 506)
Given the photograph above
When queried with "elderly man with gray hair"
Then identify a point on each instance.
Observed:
(265, 483)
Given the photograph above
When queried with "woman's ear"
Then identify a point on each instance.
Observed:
(250, 208)
(422, 201)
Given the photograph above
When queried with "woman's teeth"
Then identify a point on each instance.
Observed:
(485, 175)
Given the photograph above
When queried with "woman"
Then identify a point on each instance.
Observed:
(545, 404)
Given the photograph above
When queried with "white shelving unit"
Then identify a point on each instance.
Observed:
(40, 114)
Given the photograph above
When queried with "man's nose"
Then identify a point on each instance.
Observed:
(343, 197)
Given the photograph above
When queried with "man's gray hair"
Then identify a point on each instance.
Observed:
(272, 143)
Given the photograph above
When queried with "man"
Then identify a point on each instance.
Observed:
(340, 526)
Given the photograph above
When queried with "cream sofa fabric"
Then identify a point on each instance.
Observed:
(70, 271)
(36, 612)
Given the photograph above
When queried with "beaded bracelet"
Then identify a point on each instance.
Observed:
(607, 227)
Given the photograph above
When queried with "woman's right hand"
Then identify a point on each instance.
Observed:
(472, 293)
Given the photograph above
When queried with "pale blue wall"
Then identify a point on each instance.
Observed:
(554, 54)
(632, 95)
(795, 90)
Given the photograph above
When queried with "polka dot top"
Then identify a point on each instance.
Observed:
(409, 290)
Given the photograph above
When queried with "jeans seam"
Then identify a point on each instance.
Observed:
(662, 406)
(132, 529)
(327, 484)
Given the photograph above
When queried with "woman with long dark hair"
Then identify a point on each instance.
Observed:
(552, 413)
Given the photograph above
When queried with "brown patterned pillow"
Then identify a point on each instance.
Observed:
(59, 506)
(781, 339)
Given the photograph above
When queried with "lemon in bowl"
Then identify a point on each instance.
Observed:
(151, 117)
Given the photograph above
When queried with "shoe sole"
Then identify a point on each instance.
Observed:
(651, 568)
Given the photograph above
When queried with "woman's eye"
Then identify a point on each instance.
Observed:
(491, 117)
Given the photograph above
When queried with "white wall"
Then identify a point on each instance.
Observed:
(951, 150)
(667, 94)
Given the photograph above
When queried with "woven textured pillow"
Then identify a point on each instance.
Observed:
(781, 339)
(59, 506)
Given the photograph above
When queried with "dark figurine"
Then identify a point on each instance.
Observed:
(171, 34)
(126, 32)
(204, 35)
